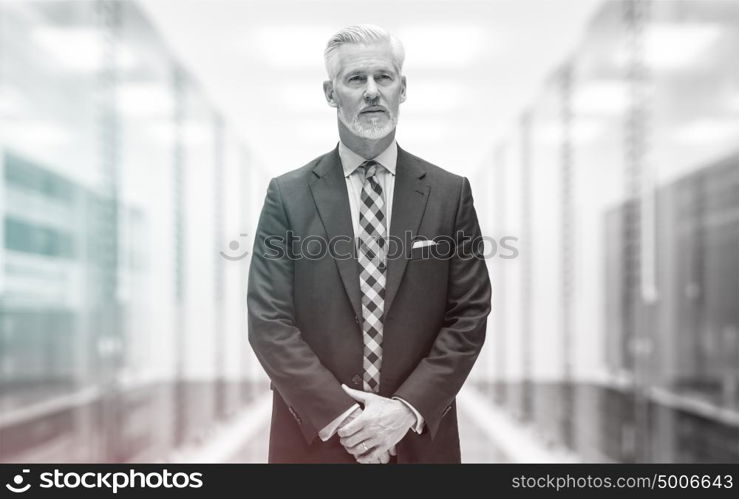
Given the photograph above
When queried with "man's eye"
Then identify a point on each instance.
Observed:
(355, 78)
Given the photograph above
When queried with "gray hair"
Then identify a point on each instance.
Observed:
(364, 34)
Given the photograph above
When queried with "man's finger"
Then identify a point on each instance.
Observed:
(363, 447)
(352, 427)
(360, 449)
(385, 458)
(357, 395)
(356, 439)
(371, 457)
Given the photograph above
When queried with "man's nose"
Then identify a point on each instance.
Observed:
(371, 92)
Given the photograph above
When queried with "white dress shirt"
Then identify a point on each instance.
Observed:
(385, 176)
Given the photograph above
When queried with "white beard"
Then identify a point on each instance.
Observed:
(371, 130)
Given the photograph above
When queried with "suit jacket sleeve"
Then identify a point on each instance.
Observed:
(306, 385)
(436, 380)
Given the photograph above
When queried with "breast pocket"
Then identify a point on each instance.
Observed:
(436, 249)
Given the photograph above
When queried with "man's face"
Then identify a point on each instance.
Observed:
(367, 89)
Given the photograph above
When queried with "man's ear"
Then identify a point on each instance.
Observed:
(402, 88)
(328, 91)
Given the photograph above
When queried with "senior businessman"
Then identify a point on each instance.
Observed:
(368, 294)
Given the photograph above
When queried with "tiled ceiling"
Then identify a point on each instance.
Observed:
(471, 67)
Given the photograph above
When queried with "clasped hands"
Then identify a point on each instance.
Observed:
(370, 434)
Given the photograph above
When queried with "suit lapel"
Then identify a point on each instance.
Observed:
(332, 201)
(409, 203)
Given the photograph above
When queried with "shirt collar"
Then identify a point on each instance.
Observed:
(350, 160)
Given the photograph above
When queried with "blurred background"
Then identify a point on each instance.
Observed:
(137, 140)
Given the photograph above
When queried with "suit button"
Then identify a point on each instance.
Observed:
(356, 319)
(356, 380)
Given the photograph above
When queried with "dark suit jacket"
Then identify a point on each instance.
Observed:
(305, 311)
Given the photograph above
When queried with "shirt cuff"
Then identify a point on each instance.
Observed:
(329, 430)
(418, 427)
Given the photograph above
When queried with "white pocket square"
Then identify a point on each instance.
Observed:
(421, 244)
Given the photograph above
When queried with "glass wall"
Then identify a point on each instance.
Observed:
(628, 173)
(600, 103)
(121, 189)
(57, 287)
(695, 163)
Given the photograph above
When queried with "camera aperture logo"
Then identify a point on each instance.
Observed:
(110, 480)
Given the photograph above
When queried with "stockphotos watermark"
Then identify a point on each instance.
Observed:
(113, 481)
(316, 247)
